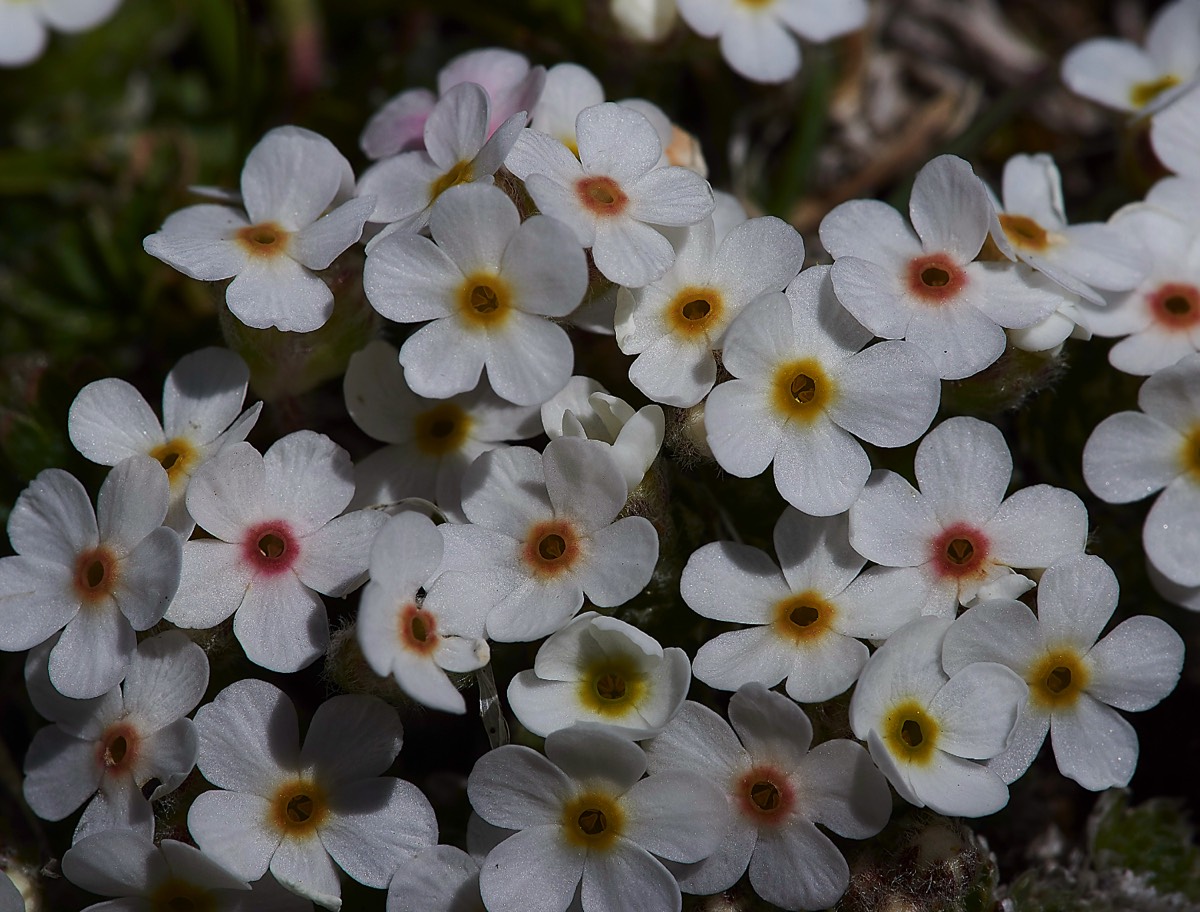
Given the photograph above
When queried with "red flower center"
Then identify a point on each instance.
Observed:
(935, 278)
(270, 547)
(1175, 305)
(959, 551)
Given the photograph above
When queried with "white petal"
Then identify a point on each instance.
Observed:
(1171, 534)
(114, 864)
(199, 242)
(535, 152)
(249, 737)
(225, 495)
(625, 876)
(1130, 456)
(516, 787)
(507, 882)
(1172, 395)
(61, 773)
(999, 631)
(319, 244)
(398, 125)
(1094, 745)
(826, 669)
(1076, 597)
(957, 787)
(853, 798)
(616, 141)
(630, 253)
(374, 822)
(820, 21)
(282, 624)
(672, 196)
(334, 558)
(795, 866)
(761, 338)
(622, 562)
(109, 421)
(772, 727)
(728, 581)
(820, 468)
(744, 429)
(958, 338)
(545, 267)
(881, 601)
(869, 292)
(907, 666)
(291, 176)
(457, 126)
(1137, 664)
(305, 868)
(440, 360)
(1023, 746)
(891, 523)
(1038, 526)
(759, 48)
(231, 828)
(977, 709)
(815, 553)
(867, 404)
(166, 680)
(472, 223)
(309, 479)
(421, 677)
(212, 584)
(36, 600)
(203, 394)
(529, 360)
(352, 737)
(279, 293)
(1106, 70)
(92, 653)
(696, 739)
(949, 208)
(733, 659)
(408, 278)
(676, 815)
(441, 878)
(505, 491)
(52, 519)
(583, 481)
(869, 230)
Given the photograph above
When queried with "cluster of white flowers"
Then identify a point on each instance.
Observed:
(968, 621)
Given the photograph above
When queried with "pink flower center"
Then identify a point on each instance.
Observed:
(601, 196)
(270, 547)
(765, 794)
(1175, 305)
(117, 749)
(935, 278)
(959, 551)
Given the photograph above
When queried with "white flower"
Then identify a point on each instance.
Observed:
(458, 150)
(487, 284)
(806, 617)
(542, 535)
(584, 816)
(583, 408)
(1175, 135)
(570, 88)
(804, 390)
(299, 216)
(277, 541)
(97, 576)
(114, 745)
(511, 84)
(202, 412)
(1074, 681)
(11, 898)
(298, 811)
(437, 879)
(431, 442)
(1161, 316)
(613, 194)
(676, 323)
(24, 24)
(170, 875)
(754, 35)
(644, 20)
(417, 641)
(1121, 75)
(777, 790)
(922, 285)
(925, 729)
(1132, 455)
(600, 669)
(1033, 228)
(959, 534)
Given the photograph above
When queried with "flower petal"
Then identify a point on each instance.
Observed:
(249, 738)
(373, 823)
(1094, 745)
(1137, 664)
(282, 624)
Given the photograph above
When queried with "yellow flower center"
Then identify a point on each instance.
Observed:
(1057, 679)
(175, 895)
(265, 240)
(178, 457)
(612, 687)
(695, 312)
(461, 173)
(484, 301)
(1145, 92)
(592, 820)
(1025, 233)
(1189, 453)
(910, 733)
(803, 619)
(298, 808)
(803, 390)
(442, 429)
